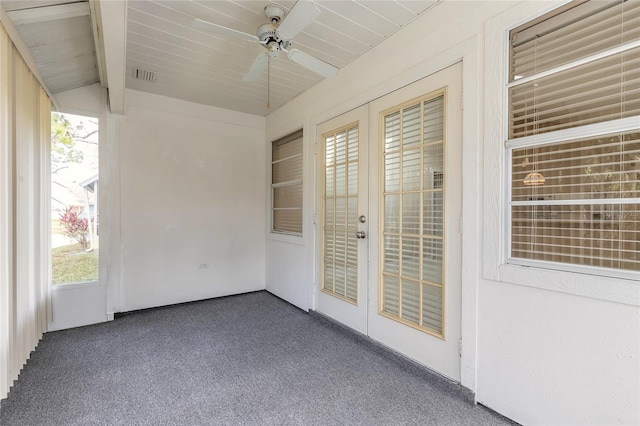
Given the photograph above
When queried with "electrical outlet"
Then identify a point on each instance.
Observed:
(203, 265)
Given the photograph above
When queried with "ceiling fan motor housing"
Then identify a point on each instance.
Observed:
(268, 35)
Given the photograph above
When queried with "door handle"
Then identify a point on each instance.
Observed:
(361, 235)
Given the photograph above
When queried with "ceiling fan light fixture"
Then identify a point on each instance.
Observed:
(534, 178)
(275, 36)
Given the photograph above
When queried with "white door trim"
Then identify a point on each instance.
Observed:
(472, 174)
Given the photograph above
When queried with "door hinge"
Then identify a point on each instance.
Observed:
(460, 347)
(315, 218)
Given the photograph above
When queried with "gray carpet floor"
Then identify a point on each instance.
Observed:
(251, 359)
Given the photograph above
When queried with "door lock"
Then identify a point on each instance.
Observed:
(361, 234)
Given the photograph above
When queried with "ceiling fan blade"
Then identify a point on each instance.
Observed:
(314, 64)
(257, 69)
(299, 17)
(199, 24)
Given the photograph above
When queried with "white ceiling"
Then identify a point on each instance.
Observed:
(197, 66)
(59, 36)
(208, 69)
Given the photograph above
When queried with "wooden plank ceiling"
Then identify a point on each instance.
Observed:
(178, 61)
(59, 36)
(208, 69)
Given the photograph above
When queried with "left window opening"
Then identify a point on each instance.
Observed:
(75, 239)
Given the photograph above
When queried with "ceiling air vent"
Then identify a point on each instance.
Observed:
(144, 75)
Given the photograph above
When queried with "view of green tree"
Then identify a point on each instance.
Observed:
(63, 149)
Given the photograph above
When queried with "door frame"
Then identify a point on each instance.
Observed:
(437, 352)
(474, 266)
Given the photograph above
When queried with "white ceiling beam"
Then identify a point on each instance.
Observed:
(111, 19)
(102, 73)
(25, 53)
(48, 13)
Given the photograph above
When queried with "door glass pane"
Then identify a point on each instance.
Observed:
(341, 178)
(329, 182)
(411, 170)
(411, 126)
(392, 213)
(410, 257)
(433, 163)
(412, 223)
(432, 307)
(392, 173)
(432, 213)
(392, 132)
(411, 213)
(411, 301)
(432, 260)
(352, 142)
(329, 247)
(341, 214)
(352, 214)
(434, 120)
(391, 294)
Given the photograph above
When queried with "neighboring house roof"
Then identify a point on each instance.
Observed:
(64, 194)
(89, 181)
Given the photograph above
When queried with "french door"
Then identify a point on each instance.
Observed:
(343, 219)
(390, 254)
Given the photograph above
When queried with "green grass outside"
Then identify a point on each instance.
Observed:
(71, 264)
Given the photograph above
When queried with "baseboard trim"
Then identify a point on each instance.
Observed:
(404, 362)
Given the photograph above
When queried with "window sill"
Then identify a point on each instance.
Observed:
(287, 238)
(72, 286)
(613, 289)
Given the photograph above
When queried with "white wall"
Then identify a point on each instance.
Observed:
(553, 358)
(191, 192)
(181, 185)
(539, 356)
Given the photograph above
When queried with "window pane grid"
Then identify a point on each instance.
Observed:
(576, 201)
(286, 184)
(602, 235)
(598, 91)
(412, 215)
(340, 220)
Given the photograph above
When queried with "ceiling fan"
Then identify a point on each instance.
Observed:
(276, 36)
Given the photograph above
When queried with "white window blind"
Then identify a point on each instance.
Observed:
(413, 251)
(286, 184)
(340, 272)
(575, 199)
(25, 226)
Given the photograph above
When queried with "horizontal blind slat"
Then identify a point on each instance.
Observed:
(577, 33)
(286, 183)
(586, 211)
(598, 91)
